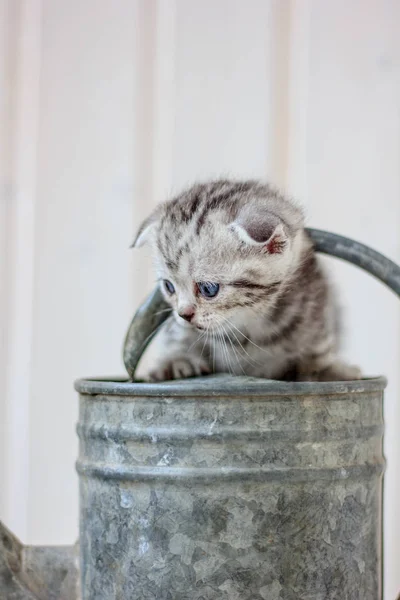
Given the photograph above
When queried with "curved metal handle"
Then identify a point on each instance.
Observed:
(358, 254)
(145, 323)
(153, 312)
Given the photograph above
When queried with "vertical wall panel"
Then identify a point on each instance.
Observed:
(296, 182)
(223, 89)
(5, 126)
(24, 28)
(164, 99)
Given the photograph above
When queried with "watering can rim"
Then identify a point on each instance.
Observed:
(225, 385)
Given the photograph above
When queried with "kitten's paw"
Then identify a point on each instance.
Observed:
(338, 371)
(179, 368)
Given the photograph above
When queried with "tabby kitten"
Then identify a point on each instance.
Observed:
(246, 290)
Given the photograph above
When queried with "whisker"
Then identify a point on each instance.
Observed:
(252, 360)
(213, 354)
(230, 358)
(224, 345)
(234, 350)
(224, 350)
(197, 340)
(163, 311)
(205, 341)
(247, 338)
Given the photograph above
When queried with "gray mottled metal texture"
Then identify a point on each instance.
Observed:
(37, 572)
(150, 316)
(231, 489)
(358, 254)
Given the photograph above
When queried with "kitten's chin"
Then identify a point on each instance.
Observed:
(185, 325)
(210, 328)
(182, 323)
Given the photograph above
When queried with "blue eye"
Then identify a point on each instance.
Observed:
(207, 289)
(169, 287)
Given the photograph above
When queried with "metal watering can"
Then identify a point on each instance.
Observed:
(228, 488)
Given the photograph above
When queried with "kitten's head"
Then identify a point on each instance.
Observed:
(222, 250)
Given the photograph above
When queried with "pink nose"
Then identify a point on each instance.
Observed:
(187, 313)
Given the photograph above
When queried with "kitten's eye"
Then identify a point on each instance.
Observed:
(207, 289)
(169, 287)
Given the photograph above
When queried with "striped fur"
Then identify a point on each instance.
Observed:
(274, 315)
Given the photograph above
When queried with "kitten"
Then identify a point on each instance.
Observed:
(246, 289)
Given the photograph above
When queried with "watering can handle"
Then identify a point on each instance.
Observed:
(152, 313)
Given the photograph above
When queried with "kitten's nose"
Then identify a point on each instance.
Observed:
(187, 313)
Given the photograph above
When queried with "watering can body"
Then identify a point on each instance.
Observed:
(231, 488)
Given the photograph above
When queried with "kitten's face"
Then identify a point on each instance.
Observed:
(221, 254)
(211, 279)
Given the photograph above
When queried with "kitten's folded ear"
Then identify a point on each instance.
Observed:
(146, 230)
(261, 229)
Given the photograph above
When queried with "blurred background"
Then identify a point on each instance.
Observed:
(108, 107)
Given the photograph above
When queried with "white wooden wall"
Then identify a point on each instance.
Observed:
(106, 106)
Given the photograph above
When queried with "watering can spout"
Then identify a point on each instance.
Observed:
(37, 572)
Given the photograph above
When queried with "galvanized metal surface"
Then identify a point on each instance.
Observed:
(150, 316)
(37, 572)
(231, 488)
